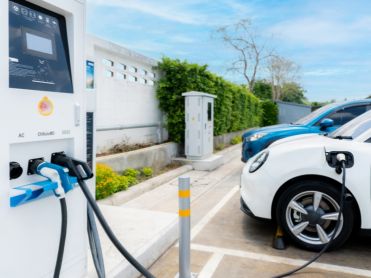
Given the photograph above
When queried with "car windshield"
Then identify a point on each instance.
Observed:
(354, 128)
(307, 119)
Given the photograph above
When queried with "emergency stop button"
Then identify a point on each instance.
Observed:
(45, 107)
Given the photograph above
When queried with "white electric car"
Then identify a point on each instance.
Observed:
(293, 183)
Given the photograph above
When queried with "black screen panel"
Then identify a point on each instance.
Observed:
(38, 49)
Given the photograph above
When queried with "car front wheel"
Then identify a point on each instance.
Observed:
(308, 212)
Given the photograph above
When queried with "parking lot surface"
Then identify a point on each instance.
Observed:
(227, 243)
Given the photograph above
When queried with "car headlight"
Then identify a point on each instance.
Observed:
(259, 161)
(256, 136)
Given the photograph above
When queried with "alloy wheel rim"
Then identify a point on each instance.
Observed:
(311, 217)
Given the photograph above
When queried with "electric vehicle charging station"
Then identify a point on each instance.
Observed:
(199, 110)
(44, 112)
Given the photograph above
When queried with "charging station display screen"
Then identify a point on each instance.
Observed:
(38, 49)
(39, 44)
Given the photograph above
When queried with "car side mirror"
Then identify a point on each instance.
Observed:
(326, 123)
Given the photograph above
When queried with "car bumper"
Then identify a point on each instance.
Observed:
(257, 194)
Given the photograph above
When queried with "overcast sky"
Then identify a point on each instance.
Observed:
(330, 40)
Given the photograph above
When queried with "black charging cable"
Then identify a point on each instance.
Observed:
(94, 242)
(110, 233)
(341, 160)
(62, 241)
(82, 172)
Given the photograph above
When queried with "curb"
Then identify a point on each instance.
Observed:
(122, 197)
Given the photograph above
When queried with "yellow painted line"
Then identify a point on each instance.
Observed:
(184, 193)
(184, 212)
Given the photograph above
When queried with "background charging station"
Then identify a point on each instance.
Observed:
(44, 109)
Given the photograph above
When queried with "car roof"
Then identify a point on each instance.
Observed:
(341, 104)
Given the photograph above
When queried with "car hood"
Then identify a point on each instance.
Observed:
(301, 137)
(308, 141)
(275, 128)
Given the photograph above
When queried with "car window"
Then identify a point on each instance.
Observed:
(368, 140)
(345, 115)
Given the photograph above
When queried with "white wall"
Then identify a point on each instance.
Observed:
(127, 99)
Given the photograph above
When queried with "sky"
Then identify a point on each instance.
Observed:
(330, 40)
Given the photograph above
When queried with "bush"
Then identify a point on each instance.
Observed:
(109, 182)
(106, 181)
(147, 171)
(235, 107)
(130, 172)
(236, 140)
(270, 113)
(121, 183)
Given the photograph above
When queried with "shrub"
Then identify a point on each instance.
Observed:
(109, 182)
(235, 107)
(131, 180)
(106, 181)
(121, 183)
(236, 140)
(147, 171)
(270, 113)
(130, 172)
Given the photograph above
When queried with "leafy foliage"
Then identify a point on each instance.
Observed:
(108, 182)
(235, 107)
(130, 172)
(147, 171)
(293, 92)
(263, 89)
(236, 140)
(270, 113)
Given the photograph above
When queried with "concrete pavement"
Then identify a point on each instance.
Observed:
(148, 224)
(225, 242)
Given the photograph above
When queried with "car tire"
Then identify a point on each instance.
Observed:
(312, 224)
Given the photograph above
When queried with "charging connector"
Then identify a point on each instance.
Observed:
(336, 158)
(57, 174)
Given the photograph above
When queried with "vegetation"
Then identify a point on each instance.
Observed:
(236, 140)
(147, 171)
(263, 90)
(270, 113)
(293, 92)
(109, 182)
(130, 172)
(235, 107)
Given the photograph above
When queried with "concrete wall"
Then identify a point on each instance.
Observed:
(127, 108)
(156, 157)
(290, 112)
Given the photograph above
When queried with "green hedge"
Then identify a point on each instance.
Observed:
(235, 107)
(270, 113)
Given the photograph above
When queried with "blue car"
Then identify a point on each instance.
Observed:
(324, 120)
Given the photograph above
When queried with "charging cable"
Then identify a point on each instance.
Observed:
(341, 158)
(51, 172)
(94, 242)
(82, 171)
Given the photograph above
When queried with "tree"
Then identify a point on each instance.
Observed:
(281, 71)
(293, 92)
(263, 89)
(250, 49)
